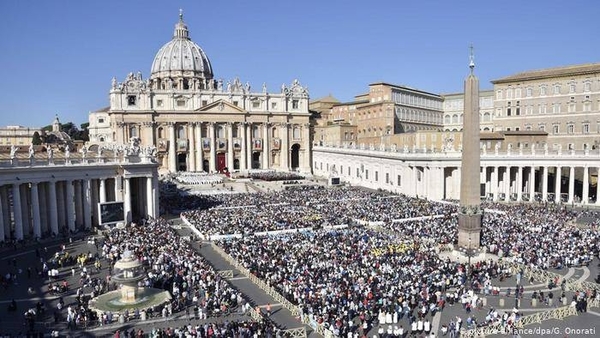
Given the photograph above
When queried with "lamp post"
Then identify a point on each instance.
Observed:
(469, 253)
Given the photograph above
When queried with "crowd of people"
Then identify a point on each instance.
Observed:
(194, 178)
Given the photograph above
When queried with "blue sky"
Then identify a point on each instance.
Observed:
(58, 57)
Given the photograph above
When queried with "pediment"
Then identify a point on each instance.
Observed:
(220, 107)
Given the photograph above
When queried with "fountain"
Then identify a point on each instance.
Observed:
(128, 272)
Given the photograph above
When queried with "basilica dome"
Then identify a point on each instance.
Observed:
(181, 57)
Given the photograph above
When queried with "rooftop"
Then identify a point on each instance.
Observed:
(588, 68)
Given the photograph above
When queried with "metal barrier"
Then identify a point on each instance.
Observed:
(227, 274)
(546, 276)
(536, 318)
(259, 282)
(299, 332)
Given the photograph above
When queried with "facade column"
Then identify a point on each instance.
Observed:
(199, 150)
(17, 215)
(585, 194)
(87, 204)
(172, 148)
(60, 206)
(2, 222)
(265, 149)
(285, 147)
(102, 190)
(118, 191)
(149, 133)
(557, 186)
(248, 132)
(545, 183)
(495, 183)
(571, 184)
(192, 151)
(211, 159)
(230, 156)
(127, 199)
(78, 204)
(244, 146)
(52, 207)
(305, 151)
(519, 183)
(35, 204)
(70, 206)
(149, 197)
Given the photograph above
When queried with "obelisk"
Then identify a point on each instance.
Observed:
(470, 213)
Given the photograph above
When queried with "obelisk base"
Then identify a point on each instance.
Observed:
(469, 231)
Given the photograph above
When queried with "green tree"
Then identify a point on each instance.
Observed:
(37, 139)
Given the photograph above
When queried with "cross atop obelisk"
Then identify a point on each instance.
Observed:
(470, 213)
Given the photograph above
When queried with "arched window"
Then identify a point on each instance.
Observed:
(255, 132)
(274, 132)
(159, 133)
(447, 119)
(181, 132)
(455, 118)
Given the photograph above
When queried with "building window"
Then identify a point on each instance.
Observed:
(159, 103)
(377, 176)
(571, 107)
(399, 179)
(556, 89)
(499, 95)
(180, 103)
(509, 93)
(255, 104)
(296, 133)
(570, 129)
(529, 92)
(367, 174)
(586, 128)
(518, 93)
(295, 104)
(273, 105)
(235, 103)
(556, 108)
(133, 132)
(387, 178)
(204, 102)
(131, 100)
(572, 88)
(587, 86)
(101, 120)
(543, 90)
(587, 106)
(555, 129)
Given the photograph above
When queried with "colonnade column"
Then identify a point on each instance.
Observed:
(17, 216)
(248, 131)
(149, 133)
(25, 208)
(87, 204)
(265, 149)
(571, 184)
(598, 186)
(102, 190)
(230, 156)
(192, 144)
(244, 146)
(53, 207)
(35, 205)
(127, 199)
(557, 187)
(532, 184)
(2, 225)
(149, 197)
(585, 194)
(544, 183)
(285, 147)
(70, 206)
(172, 148)
(506, 179)
(5, 211)
(155, 194)
(199, 150)
(78, 203)
(519, 183)
(495, 183)
(211, 160)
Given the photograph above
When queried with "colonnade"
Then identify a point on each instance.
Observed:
(42, 208)
(562, 178)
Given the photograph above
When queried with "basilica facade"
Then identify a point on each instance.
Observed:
(200, 123)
